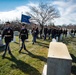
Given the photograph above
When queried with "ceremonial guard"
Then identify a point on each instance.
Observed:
(34, 34)
(41, 33)
(66, 32)
(74, 31)
(49, 32)
(8, 37)
(23, 36)
(37, 32)
(53, 32)
(45, 32)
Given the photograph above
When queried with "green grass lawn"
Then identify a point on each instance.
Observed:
(31, 62)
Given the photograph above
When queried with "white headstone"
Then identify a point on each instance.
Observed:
(1, 43)
(16, 33)
(14, 39)
(59, 61)
(68, 34)
(54, 40)
(29, 31)
(61, 36)
(57, 38)
(44, 70)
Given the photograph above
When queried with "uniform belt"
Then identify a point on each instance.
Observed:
(23, 34)
(7, 35)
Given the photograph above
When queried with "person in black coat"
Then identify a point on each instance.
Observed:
(37, 32)
(34, 34)
(49, 33)
(45, 32)
(8, 37)
(59, 34)
(41, 33)
(66, 32)
(23, 36)
(54, 33)
(74, 31)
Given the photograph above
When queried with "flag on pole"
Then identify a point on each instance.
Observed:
(25, 18)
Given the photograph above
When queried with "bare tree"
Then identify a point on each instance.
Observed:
(43, 14)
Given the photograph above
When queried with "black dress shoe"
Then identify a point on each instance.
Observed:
(32, 43)
(25, 49)
(19, 51)
(3, 56)
(10, 53)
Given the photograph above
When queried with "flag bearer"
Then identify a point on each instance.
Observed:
(23, 36)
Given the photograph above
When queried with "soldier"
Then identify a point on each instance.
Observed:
(41, 33)
(49, 32)
(66, 32)
(74, 32)
(45, 32)
(53, 33)
(34, 34)
(8, 37)
(59, 34)
(23, 36)
(37, 32)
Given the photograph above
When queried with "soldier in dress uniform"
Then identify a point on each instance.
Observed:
(34, 34)
(74, 32)
(37, 32)
(49, 32)
(8, 37)
(53, 32)
(23, 36)
(45, 32)
(41, 33)
(66, 32)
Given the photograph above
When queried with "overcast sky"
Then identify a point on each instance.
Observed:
(12, 9)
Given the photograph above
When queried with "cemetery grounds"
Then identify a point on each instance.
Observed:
(31, 62)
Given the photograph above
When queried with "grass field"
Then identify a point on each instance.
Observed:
(31, 62)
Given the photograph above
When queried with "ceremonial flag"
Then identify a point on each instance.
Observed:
(25, 18)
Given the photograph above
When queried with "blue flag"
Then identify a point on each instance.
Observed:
(25, 18)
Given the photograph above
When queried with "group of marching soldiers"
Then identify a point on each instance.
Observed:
(51, 32)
